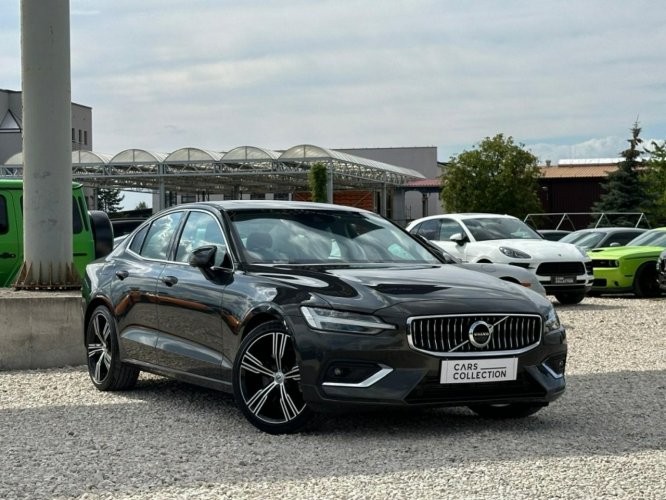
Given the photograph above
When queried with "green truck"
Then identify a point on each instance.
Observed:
(92, 239)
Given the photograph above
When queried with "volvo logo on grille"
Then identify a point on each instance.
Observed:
(480, 334)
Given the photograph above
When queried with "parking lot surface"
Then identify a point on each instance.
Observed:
(605, 438)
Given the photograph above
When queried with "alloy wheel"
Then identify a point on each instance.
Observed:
(99, 348)
(269, 379)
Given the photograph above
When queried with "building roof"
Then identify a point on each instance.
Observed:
(424, 183)
(581, 171)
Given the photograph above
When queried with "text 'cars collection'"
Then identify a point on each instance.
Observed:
(300, 308)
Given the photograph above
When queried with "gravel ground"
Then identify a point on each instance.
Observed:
(605, 438)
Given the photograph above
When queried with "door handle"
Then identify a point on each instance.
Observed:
(122, 274)
(170, 280)
(7, 255)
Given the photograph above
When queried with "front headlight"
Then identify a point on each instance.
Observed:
(513, 253)
(343, 321)
(552, 321)
(605, 263)
(582, 251)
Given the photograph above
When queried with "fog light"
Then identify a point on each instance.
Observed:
(556, 364)
(350, 373)
(354, 374)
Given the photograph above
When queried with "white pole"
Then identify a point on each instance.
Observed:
(47, 149)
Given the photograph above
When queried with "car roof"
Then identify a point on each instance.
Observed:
(610, 229)
(463, 216)
(269, 205)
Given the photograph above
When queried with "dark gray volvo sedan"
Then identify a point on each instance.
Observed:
(298, 308)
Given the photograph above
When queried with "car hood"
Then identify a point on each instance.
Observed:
(538, 249)
(614, 253)
(374, 288)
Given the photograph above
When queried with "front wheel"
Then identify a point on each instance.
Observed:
(645, 282)
(106, 370)
(502, 411)
(569, 297)
(266, 381)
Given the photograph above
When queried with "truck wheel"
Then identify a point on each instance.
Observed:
(102, 233)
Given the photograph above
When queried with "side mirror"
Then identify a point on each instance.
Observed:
(203, 257)
(458, 238)
(615, 244)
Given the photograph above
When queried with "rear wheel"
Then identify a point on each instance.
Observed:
(645, 282)
(106, 370)
(266, 381)
(509, 410)
(569, 297)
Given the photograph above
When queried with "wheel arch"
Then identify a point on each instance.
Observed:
(90, 307)
(259, 318)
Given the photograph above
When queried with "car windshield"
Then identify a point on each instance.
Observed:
(654, 238)
(296, 236)
(499, 228)
(584, 239)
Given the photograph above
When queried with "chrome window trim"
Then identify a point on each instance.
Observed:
(186, 214)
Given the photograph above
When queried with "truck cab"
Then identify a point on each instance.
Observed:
(92, 232)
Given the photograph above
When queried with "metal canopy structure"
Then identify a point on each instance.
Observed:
(247, 169)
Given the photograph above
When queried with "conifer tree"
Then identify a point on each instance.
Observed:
(624, 190)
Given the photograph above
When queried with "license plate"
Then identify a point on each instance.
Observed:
(564, 280)
(474, 371)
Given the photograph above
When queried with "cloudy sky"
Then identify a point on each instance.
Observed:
(566, 78)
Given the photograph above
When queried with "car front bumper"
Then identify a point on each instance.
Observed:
(612, 280)
(405, 377)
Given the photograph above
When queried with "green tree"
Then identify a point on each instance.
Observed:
(497, 176)
(653, 177)
(141, 206)
(109, 200)
(317, 179)
(624, 190)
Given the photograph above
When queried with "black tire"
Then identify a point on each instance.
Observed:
(645, 281)
(102, 233)
(569, 297)
(266, 381)
(106, 370)
(511, 410)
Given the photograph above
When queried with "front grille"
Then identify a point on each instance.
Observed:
(560, 268)
(599, 282)
(449, 335)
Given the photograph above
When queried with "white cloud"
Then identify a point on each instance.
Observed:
(347, 73)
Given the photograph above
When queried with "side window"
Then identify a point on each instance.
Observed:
(77, 221)
(448, 228)
(160, 234)
(4, 218)
(200, 229)
(84, 212)
(137, 242)
(429, 229)
(622, 238)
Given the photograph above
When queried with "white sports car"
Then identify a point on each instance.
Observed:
(563, 269)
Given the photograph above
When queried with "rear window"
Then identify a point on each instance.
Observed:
(77, 221)
(4, 219)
